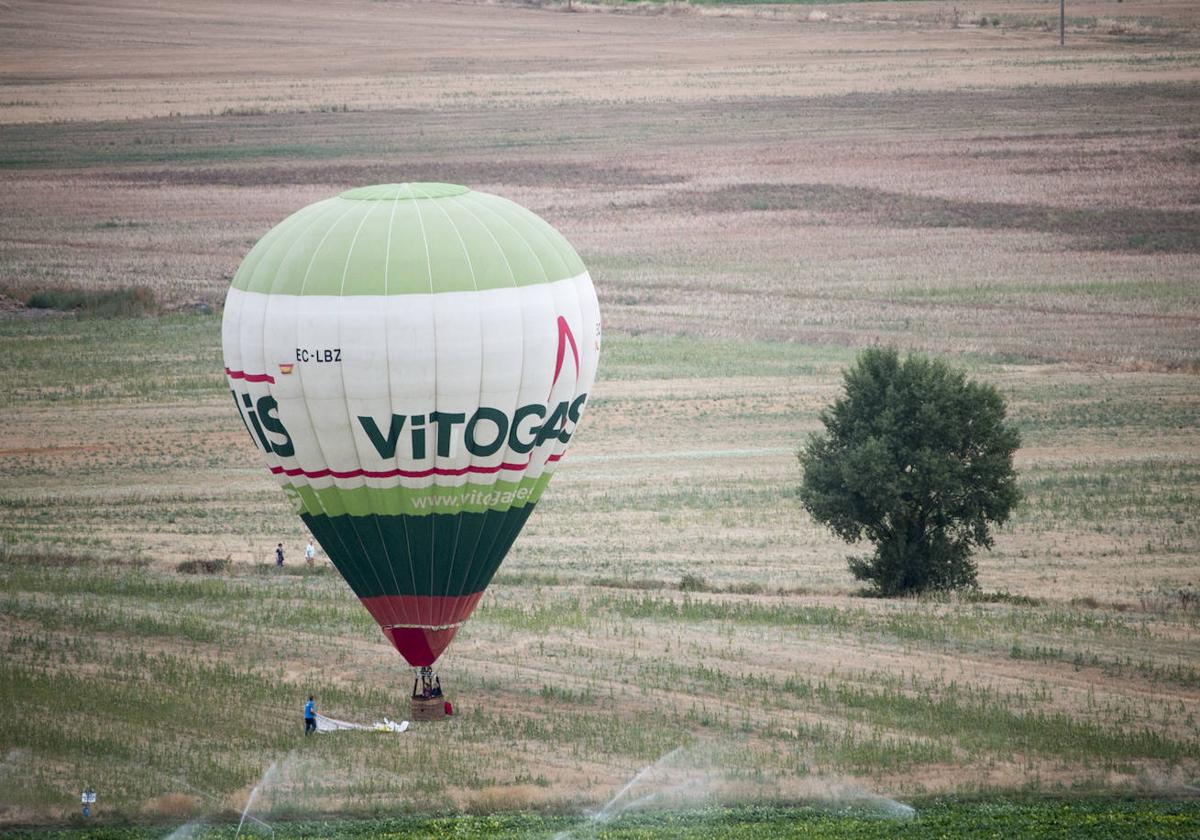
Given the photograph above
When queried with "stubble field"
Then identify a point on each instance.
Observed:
(758, 193)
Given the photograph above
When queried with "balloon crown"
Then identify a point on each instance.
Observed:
(404, 192)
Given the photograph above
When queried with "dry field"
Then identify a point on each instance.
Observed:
(759, 191)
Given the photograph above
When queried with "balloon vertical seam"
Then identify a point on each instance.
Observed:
(280, 277)
(508, 265)
(350, 250)
(341, 307)
(467, 572)
(300, 372)
(272, 240)
(520, 236)
(429, 274)
(346, 400)
(412, 573)
(475, 283)
(488, 512)
(534, 225)
(387, 368)
(313, 258)
(461, 241)
(483, 355)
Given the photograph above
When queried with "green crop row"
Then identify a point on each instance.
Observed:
(1085, 820)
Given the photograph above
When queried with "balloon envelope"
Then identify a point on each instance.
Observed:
(412, 360)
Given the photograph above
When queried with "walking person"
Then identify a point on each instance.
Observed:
(310, 553)
(310, 716)
(279, 555)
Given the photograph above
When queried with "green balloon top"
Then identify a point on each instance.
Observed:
(394, 239)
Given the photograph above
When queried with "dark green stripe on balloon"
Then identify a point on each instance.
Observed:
(435, 554)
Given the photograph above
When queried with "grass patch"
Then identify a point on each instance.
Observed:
(647, 584)
(204, 567)
(503, 578)
(977, 596)
(1114, 666)
(123, 302)
(160, 359)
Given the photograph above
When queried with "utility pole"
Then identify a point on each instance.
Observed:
(1062, 22)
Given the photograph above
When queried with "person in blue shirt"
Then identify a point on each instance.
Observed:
(310, 716)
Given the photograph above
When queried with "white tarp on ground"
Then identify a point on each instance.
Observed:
(328, 724)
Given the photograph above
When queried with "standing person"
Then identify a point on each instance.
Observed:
(309, 553)
(279, 555)
(310, 716)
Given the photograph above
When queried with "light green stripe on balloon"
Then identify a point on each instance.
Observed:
(400, 239)
(398, 500)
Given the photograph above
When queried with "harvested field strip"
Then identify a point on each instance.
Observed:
(194, 144)
(1124, 228)
(1174, 300)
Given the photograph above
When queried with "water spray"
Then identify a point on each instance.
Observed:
(188, 829)
(667, 791)
(266, 777)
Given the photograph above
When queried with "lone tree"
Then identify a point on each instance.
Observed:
(919, 461)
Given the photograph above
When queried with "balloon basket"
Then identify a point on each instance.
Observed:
(428, 709)
(428, 702)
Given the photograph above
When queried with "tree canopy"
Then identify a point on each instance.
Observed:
(918, 460)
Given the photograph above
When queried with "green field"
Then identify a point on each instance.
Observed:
(1149, 820)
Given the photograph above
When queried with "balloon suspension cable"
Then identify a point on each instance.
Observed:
(426, 685)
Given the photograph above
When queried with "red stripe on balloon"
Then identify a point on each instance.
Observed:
(421, 626)
(421, 610)
(250, 377)
(407, 473)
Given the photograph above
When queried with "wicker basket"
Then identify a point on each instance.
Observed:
(432, 709)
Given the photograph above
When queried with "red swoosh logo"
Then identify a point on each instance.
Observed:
(565, 337)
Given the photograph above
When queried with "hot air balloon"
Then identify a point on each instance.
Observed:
(412, 360)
